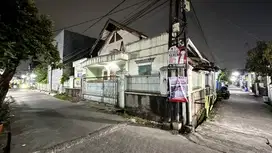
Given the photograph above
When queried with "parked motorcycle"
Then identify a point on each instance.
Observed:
(224, 92)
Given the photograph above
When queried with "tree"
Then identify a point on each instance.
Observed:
(24, 35)
(41, 72)
(224, 76)
(259, 59)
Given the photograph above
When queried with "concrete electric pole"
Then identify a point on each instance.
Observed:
(178, 63)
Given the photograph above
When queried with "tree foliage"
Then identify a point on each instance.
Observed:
(41, 72)
(24, 35)
(224, 75)
(259, 59)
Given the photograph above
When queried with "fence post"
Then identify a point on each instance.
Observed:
(121, 90)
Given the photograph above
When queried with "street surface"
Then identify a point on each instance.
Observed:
(243, 124)
(42, 121)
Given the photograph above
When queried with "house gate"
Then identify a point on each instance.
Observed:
(100, 89)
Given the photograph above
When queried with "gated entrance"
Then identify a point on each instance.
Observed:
(100, 89)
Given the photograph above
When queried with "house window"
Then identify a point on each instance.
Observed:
(144, 69)
(112, 39)
(115, 37)
(118, 37)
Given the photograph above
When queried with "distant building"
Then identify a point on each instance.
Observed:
(71, 46)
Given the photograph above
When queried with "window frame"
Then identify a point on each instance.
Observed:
(146, 72)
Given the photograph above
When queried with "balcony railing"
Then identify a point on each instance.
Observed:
(105, 58)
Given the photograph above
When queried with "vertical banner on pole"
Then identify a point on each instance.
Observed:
(178, 89)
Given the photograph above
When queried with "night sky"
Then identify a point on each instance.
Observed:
(230, 26)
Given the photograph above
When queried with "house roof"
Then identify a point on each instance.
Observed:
(110, 26)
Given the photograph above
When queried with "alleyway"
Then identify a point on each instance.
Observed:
(243, 124)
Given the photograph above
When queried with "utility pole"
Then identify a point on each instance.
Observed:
(178, 63)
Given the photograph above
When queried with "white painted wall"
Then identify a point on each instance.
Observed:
(78, 69)
(57, 73)
(127, 38)
(148, 48)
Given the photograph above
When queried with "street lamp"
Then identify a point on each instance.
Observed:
(235, 73)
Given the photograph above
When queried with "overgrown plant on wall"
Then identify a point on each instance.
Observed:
(64, 78)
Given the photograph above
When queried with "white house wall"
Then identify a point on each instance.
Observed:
(127, 38)
(156, 47)
(78, 69)
(57, 73)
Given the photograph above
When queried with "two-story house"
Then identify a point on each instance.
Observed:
(99, 73)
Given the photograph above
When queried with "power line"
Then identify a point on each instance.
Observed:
(72, 39)
(201, 29)
(136, 18)
(104, 15)
(90, 20)
(247, 32)
(137, 14)
(146, 13)
(146, 8)
(231, 22)
(135, 10)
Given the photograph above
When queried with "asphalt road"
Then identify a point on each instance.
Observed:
(42, 121)
(243, 124)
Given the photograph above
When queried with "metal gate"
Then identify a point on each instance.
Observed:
(100, 89)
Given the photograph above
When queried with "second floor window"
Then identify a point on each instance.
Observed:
(115, 37)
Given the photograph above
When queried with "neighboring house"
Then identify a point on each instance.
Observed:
(131, 71)
(71, 46)
(111, 55)
(146, 80)
(262, 87)
(100, 81)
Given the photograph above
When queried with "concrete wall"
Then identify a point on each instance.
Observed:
(152, 107)
(94, 72)
(78, 69)
(56, 74)
(156, 48)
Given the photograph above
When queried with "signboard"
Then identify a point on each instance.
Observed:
(178, 89)
(177, 56)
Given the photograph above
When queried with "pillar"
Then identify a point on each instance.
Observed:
(121, 90)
